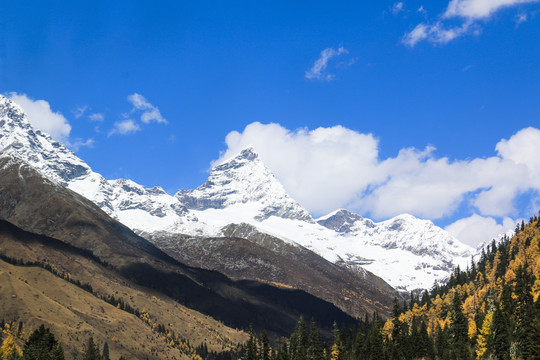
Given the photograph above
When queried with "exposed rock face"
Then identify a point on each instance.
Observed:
(246, 253)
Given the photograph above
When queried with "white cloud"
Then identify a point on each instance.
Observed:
(124, 127)
(476, 229)
(469, 13)
(522, 148)
(479, 9)
(397, 8)
(437, 33)
(97, 117)
(42, 117)
(79, 111)
(329, 168)
(521, 18)
(322, 168)
(149, 112)
(317, 71)
(78, 143)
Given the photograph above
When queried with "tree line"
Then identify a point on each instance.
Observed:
(491, 310)
(42, 345)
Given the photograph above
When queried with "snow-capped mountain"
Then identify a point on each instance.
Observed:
(405, 232)
(118, 198)
(406, 252)
(416, 250)
(241, 180)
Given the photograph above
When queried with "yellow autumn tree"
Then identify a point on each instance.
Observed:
(9, 349)
(334, 354)
(472, 329)
(482, 339)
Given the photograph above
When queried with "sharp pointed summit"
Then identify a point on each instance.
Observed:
(244, 179)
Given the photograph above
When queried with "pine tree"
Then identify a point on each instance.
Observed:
(374, 341)
(524, 311)
(251, 346)
(298, 344)
(483, 338)
(442, 343)
(105, 354)
(458, 329)
(91, 351)
(399, 332)
(283, 352)
(533, 335)
(264, 349)
(42, 345)
(337, 349)
(425, 343)
(315, 345)
(500, 338)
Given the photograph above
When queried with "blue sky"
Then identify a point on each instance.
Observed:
(450, 79)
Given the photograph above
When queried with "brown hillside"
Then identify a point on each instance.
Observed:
(35, 296)
(248, 254)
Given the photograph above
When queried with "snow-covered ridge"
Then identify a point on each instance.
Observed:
(18, 138)
(406, 232)
(407, 252)
(62, 166)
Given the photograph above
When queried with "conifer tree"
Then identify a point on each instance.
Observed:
(500, 337)
(458, 329)
(91, 351)
(298, 344)
(105, 354)
(533, 338)
(315, 345)
(442, 343)
(374, 341)
(251, 346)
(426, 343)
(483, 338)
(283, 352)
(264, 349)
(42, 345)
(337, 349)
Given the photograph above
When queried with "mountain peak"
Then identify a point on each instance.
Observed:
(342, 221)
(19, 138)
(11, 110)
(247, 157)
(248, 153)
(244, 179)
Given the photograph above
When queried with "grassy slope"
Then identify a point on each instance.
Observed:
(74, 313)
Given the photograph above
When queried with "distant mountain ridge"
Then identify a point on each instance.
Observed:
(41, 206)
(406, 252)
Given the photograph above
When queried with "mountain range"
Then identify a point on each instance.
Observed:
(242, 205)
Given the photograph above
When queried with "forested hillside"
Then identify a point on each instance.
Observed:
(489, 311)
